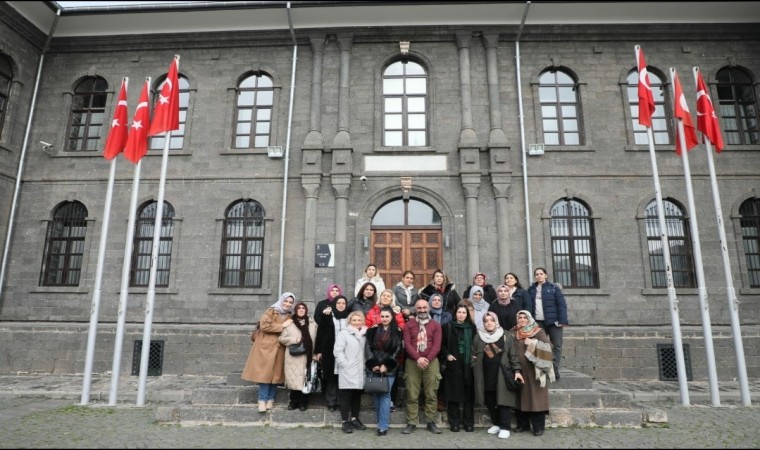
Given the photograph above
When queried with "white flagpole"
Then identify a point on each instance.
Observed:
(672, 299)
(733, 303)
(95, 306)
(704, 307)
(144, 356)
(124, 295)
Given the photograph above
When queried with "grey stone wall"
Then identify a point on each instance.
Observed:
(205, 327)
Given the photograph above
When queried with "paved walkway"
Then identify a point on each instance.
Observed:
(43, 411)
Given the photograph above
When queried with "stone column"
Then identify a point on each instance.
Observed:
(497, 138)
(343, 137)
(467, 136)
(314, 137)
(310, 185)
(341, 185)
(471, 185)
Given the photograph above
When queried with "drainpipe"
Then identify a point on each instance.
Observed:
(283, 218)
(25, 145)
(522, 140)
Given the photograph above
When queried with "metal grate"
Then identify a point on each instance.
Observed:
(155, 358)
(666, 359)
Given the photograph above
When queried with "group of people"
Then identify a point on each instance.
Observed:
(451, 352)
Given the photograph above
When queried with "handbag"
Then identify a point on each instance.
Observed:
(509, 379)
(376, 383)
(297, 349)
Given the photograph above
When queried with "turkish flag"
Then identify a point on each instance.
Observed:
(137, 142)
(166, 111)
(682, 112)
(707, 121)
(646, 99)
(117, 136)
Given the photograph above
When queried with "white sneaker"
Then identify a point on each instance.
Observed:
(494, 429)
(503, 434)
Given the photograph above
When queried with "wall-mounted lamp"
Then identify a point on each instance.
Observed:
(365, 241)
(446, 241)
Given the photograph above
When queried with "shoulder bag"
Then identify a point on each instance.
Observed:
(376, 383)
(297, 349)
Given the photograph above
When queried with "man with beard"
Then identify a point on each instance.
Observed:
(422, 342)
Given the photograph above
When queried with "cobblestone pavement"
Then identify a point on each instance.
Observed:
(62, 423)
(43, 411)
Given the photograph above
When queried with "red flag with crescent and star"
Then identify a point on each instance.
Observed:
(137, 143)
(646, 99)
(166, 111)
(117, 136)
(682, 112)
(707, 121)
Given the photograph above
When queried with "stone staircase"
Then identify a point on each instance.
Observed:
(575, 401)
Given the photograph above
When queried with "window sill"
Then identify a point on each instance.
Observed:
(159, 290)
(404, 149)
(59, 290)
(749, 291)
(645, 148)
(568, 148)
(240, 291)
(664, 291)
(585, 292)
(245, 151)
(99, 154)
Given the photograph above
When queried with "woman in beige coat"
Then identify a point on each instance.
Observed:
(297, 367)
(266, 360)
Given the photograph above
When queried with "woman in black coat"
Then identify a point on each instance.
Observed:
(382, 352)
(456, 354)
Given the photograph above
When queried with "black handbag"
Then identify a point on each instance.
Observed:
(376, 383)
(509, 379)
(297, 349)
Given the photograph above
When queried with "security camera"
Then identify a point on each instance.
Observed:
(46, 145)
(363, 178)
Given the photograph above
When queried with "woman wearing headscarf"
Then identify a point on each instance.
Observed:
(327, 330)
(479, 306)
(489, 293)
(302, 330)
(266, 360)
(510, 298)
(492, 349)
(535, 351)
(456, 352)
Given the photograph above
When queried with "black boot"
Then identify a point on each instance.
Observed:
(347, 427)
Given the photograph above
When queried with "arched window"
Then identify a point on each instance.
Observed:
(253, 111)
(64, 245)
(573, 245)
(750, 224)
(659, 117)
(142, 246)
(6, 77)
(405, 105)
(738, 106)
(242, 245)
(87, 112)
(679, 237)
(560, 108)
(178, 136)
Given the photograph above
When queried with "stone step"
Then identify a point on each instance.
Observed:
(318, 416)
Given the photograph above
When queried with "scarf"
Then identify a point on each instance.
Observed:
(464, 340)
(422, 334)
(492, 336)
(528, 330)
(480, 307)
(435, 313)
(302, 323)
(508, 300)
(278, 306)
(330, 288)
(540, 354)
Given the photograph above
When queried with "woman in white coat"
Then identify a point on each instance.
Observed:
(349, 361)
(298, 367)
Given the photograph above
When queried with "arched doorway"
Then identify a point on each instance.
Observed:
(406, 235)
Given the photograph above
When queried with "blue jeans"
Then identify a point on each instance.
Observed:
(267, 391)
(383, 407)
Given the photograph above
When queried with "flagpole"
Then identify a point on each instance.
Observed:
(124, 295)
(95, 306)
(673, 301)
(733, 304)
(144, 356)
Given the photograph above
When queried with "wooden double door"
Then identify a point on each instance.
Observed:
(398, 250)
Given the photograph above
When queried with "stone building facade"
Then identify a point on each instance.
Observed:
(492, 204)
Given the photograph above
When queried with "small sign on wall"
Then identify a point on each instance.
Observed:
(324, 255)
